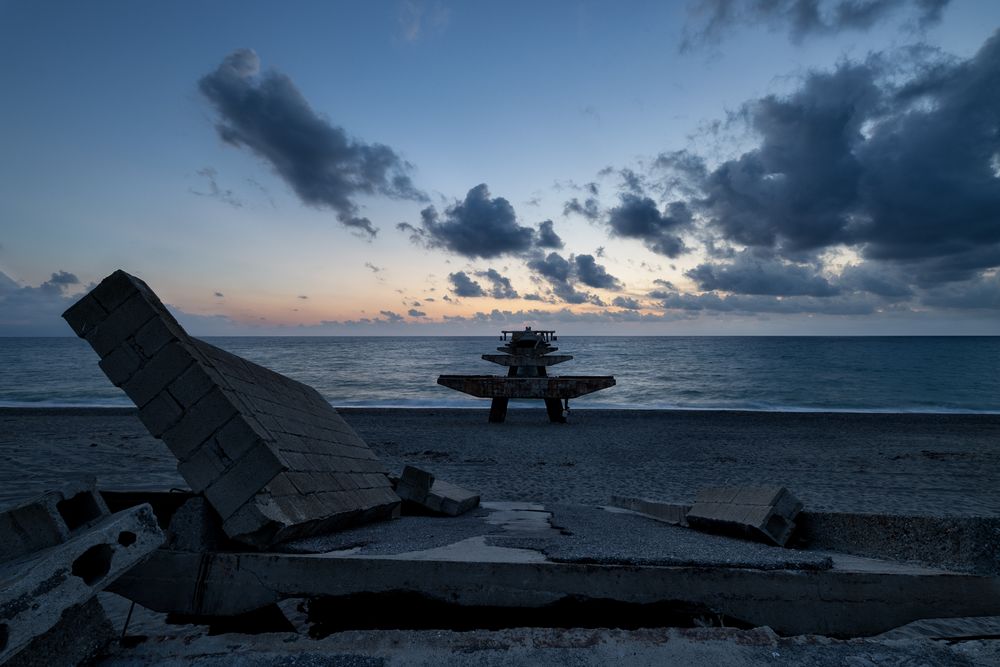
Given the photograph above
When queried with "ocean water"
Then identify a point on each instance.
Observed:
(865, 374)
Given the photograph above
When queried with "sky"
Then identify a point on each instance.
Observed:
(698, 167)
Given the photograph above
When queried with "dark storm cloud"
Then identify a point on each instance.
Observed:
(875, 278)
(901, 167)
(589, 208)
(479, 226)
(981, 293)
(626, 302)
(463, 285)
(712, 19)
(563, 275)
(754, 303)
(749, 274)
(501, 287)
(592, 274)
(267, 114)
(547, 237)
(638, 217)
(558, 272)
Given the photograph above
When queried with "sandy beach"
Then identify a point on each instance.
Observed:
(914, 464)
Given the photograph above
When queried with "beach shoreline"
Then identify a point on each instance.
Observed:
(893, 463)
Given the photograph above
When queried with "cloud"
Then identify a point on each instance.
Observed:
(36, 311)
(219, 295)
(390, 316)
(894, 157)
(589, 209)
(638, 217)
(711, 20)
(373, 268)
(751, 274)
(501, 287)
(464, 286)
(983, 293)
(62, 279)
(479, 226)
(416, 19)
(559, 273)
(413, 312)
(267, 114)
(563, 275)
(875, 278)
(214, 191)
(626, 302)
(547, 237)
(755, 304)
(303, 296)
(592, 274)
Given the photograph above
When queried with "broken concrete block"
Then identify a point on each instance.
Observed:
(765, 513)
(50, 518)
(38, 586)
(236, 428)
(419, 487)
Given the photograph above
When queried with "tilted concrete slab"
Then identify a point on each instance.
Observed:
(761, 512)
(503, 568)
(667, 512)
(273, 458)
(38, 587)
(967, 544)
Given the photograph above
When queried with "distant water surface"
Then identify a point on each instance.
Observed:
(868, 374)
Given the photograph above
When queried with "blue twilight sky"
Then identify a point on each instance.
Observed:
(700, 167)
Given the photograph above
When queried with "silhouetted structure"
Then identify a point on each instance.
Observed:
(527, 355)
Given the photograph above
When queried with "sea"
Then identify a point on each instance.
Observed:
(843, 374)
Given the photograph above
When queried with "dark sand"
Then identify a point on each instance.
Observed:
(927, 465)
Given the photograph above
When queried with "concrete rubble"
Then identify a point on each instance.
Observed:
(56, 553)
(420, 487)
(272, 457)
(760, 512)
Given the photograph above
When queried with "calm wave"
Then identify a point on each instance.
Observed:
(870, 374)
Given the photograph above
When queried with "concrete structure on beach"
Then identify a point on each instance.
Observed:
(273, 458)
(527, 356)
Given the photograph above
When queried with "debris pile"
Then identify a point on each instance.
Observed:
(56, 553)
